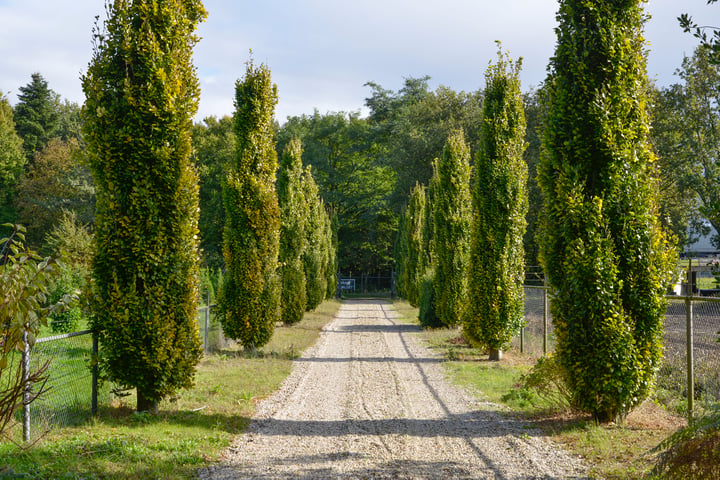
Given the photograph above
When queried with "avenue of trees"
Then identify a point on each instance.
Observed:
(595, 175)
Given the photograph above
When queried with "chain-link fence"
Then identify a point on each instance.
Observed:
(366, 285)
(211, 332)
(689, 321)
(68, 392)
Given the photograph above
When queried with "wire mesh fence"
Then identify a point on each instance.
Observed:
(211, 332)
(67, 396)
(689, 321)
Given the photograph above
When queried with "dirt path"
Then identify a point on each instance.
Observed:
(368, 402)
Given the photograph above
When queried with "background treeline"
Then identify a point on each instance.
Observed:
(364, 166)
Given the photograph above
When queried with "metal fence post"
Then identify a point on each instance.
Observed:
(207, 320)
(690, 358)
(26, 387)
(94, 400)
(689, 346)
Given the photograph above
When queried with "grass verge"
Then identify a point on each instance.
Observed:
(611, 451)
(192, 429)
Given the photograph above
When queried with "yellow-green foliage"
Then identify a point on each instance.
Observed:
(452, 217)
(415, 265)
(496, 310)
(250, 298)
(141, 94)
(316, 257)
(605, 256)
(293, 215)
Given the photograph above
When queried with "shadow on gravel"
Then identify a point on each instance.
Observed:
(397, 328)
(369, 359)
(395, 470)
(472, 425)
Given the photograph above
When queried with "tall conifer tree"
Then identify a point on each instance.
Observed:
(315, 258)
(496, 312)
(141, 94)
(415, 264)
(452, 217)
(36, 115)
(12, 161)
(606, 259)
(250, 296)
(293, 215)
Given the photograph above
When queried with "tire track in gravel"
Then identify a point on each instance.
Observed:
(369, 402)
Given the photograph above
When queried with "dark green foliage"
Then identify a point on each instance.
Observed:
(331, 268)
(250, 297)
(606, 259)
(213, 149)
(496, 308)
(416, 262)
(12, 160)
(712, 44)
(535, 106)
(315, 256)
(36, 116)
(293, 217)
(141, 93)
(354, 183)
(452, 214)
(57, 181)
(401, 255)
(428, 315)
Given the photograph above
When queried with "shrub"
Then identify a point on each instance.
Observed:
(547, 379)
(692, 452)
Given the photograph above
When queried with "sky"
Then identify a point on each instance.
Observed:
(322, 52)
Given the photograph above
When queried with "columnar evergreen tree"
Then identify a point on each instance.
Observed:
(12, 160)
(293, 216)
(331, 269)
(315, 256)
(428, 314)
(452, 218)
(250, 297)
(36, 115)
(401, 254)
(606, 259)
(415, 265)
(141, 94)
(500, 202)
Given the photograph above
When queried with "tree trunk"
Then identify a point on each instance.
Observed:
(146, 405)
(495, 355)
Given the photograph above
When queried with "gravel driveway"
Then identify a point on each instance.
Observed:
(369, 402)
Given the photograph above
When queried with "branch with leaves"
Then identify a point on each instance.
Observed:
(701, 33)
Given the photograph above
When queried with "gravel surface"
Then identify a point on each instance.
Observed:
(369, 402)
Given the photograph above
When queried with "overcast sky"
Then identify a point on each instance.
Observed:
(322, 52)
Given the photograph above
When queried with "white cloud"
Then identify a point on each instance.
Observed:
(321, 52)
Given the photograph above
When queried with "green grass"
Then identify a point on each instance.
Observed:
(190, 432)
(612, 451)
